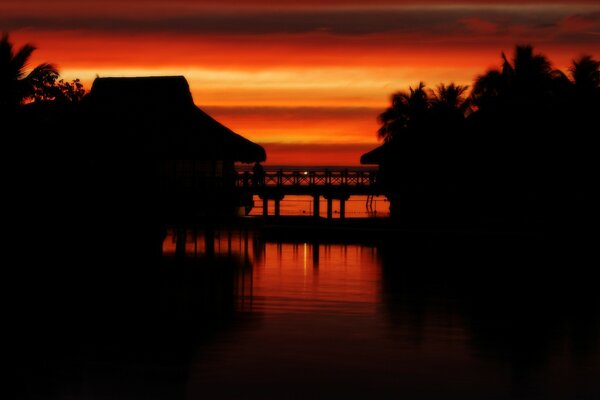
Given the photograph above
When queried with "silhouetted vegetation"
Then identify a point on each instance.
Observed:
(517, 153)
(133, 152)
(42, 133)
(18, 85)
(92, 300)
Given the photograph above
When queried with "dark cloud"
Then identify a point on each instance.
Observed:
(430, 21)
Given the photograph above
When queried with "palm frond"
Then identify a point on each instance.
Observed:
(20, 60)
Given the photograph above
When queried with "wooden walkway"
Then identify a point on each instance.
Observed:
(332, 185)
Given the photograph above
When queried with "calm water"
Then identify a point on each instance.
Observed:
(415, 318)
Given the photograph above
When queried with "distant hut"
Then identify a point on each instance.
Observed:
(386, 158)
(148, 132)
(374, 157)
(382, 156)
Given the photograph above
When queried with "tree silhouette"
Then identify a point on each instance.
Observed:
(488, 89)
(585, 73)
(529, 70)
(16, 84)
(408, 111)
(49, 88)
(449, 104)
(528, 82)
(516, 154)
(421, 130)
(72, 92)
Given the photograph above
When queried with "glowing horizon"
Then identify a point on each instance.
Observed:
(292, 76)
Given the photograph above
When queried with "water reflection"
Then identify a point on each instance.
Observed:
(343, 280)
(525, 307)
(224, 314)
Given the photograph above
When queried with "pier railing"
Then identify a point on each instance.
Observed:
(296, 178)
(332, 185)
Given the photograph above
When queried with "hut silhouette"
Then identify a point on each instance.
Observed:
(382, 156)
(158, 144)
(374, 157)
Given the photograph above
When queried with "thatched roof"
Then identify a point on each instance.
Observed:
(375, 156)
(169, 91)
(157, 116)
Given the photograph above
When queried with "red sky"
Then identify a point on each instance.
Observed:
(304, 78)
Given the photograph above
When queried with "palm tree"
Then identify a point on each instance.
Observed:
(408, 112)
(449, 103)
(526, 81)
(585, 73)
(529, 68)
(16, 85)
(488, 89)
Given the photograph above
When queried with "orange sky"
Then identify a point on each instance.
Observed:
(301, 78)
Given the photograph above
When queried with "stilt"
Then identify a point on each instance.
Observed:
(277, 207)
(265, 207)
(329, 208)
(316, 206)
(342, 208)
(369, 202)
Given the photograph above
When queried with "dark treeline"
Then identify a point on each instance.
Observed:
(89, 291)
(134, 153)
(46, 162)
(517, 153)
(19, 86)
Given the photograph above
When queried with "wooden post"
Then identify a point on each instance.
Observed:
(316, 206)
(277, 206)
(265, 206)
(329, 208)
(342, 208)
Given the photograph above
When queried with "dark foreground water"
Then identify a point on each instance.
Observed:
(229, 316)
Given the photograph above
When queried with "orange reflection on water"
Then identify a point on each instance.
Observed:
(295, 278)
(313, 278)
(236, 243)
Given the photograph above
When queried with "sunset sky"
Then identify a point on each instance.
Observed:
(306, 79)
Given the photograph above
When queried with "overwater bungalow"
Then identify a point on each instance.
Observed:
(386, 158)
(149, 131)
(374, 157)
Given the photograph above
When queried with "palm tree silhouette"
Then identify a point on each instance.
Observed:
(489, 89)
(528, 68)
(408, 111)
(497, 157)
(449, 105)
(529, 80)
(585, 73)
(16, 85)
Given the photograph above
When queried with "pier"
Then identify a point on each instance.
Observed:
(332, 185)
